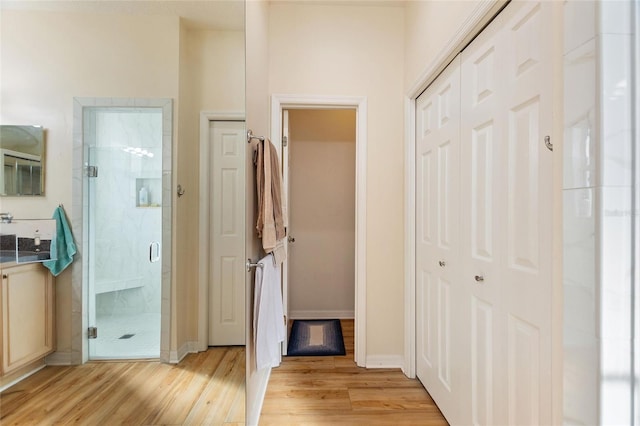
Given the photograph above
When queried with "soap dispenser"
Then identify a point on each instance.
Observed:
(143, 197)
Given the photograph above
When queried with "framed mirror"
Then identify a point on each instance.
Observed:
(21, 160)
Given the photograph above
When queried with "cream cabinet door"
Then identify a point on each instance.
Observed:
(27, 315)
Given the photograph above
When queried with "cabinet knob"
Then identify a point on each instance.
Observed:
(442, 263)
(479, 278)
(5, 276)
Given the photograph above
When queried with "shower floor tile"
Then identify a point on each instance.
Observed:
(114, 342)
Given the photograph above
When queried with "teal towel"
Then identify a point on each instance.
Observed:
(62, 247)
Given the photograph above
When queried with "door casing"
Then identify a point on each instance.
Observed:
(280, 102)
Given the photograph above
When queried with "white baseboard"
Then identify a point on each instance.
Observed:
(321, 315)
(258, 381)
(59, 358)
(187, 348)
(384, 361)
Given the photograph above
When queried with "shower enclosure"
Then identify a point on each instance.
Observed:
(123, 220)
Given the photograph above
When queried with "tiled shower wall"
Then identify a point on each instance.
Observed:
(125, 281)
(598, 170)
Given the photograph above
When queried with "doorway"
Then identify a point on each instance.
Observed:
(124, 225)
(321, 152)
(281, 103)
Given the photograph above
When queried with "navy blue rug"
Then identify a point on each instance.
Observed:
(316, 338)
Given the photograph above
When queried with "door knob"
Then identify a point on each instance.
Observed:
(479, 278)
(291, 239)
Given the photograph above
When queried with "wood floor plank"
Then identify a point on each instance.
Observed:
(334, 390)
(217, 397)
(133, 393)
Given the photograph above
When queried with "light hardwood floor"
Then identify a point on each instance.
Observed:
(333, 390)
(207, 388)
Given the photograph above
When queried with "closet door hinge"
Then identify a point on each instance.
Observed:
(285, 141)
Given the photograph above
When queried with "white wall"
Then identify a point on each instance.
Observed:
(212, 76)
(430, 25)
(357, 50)
(321, 213)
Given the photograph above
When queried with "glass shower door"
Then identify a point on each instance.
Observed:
(124, 173)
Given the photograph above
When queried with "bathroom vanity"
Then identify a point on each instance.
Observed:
(26, 316)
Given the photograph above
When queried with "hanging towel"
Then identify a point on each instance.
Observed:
(62, 247)
(268, 316)
(271, 213)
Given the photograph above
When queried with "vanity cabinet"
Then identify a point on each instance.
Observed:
(27, 303)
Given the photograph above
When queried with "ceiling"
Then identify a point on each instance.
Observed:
(197, 14)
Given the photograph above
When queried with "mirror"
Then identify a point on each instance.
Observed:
(21, 160)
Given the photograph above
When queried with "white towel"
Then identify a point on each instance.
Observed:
(268, 316)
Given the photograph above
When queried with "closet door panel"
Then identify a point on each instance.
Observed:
(527, 274)
(482, 219)
(439, 342)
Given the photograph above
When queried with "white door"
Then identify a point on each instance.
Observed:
(227, 269)
(482, 201)
(441, 322)
(506, 232)
(284, 155)
(526, 234)
(498, 300)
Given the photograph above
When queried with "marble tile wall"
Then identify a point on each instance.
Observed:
(125, 280)
(597, 212)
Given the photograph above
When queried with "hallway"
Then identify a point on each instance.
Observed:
(333, 390)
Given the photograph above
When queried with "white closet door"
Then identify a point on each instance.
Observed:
(482, 199)
(506, 197)
(526, 236)
(441, 325)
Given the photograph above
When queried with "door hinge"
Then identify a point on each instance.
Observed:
(92, 332)
(285, 141)
(92, 171)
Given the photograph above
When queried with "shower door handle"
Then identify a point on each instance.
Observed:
(154, 251)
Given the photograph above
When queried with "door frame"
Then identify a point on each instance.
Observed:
(280, 102)
(482, 13)
(204, 252)
(79, 352)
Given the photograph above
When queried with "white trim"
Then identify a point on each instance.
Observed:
(189, 347)
(409, 367)
(59, 358)
(254, 407)
(204, 250)
(321, 315)
(359, 103)
(385, 361)
(482, 13)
